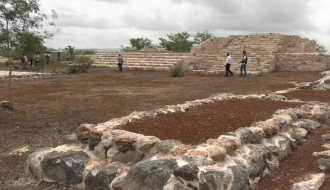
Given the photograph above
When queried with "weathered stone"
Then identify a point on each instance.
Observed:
(230, 138)
(307, 124)
(285, 148)
(32, 165)
(148, 174)
(126, 141)
(128, 157)
(314, 182)
(275, 97)
(180, 150)
(4, 105)
(94, 139)
(269, 128)
(211, 180)
(246, 135)
(258, 163)
(191, 186)
(240, 178)
(298, 138)
(326, 137)
(179, 187)
(145, 143)
(65, 168)
(188, 172)
(195, 152)
(323, 164)
(216, 153)
(167, 145)
(198, 160)
(319, 114)
(229, 146)
(70, 139)
(100, 178)
(83, 131)
(258, 132)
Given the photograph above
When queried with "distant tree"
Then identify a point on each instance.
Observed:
(127, 49)
(71, 51)
(30, 42)
(202, 36)
(140, 43)
(177, 42)
(320, 48)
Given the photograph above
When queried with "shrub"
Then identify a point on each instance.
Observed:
(177, 72)
(17, 176)
(81, 65)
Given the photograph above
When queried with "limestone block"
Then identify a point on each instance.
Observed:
(314, 182)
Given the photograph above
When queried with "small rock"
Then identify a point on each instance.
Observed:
(180, 150)
(4, 105)
(145, 143)
(326, 137)
(94, 139)
(167, 145)
(240, 178)
(314, 183)
(126, 141)
(211, 180)
(326, 145)
(70, 139)
(198, 160)
(188, 172)
(198, 153)
(128, 157)
(298, 138)
(83, 131)
(246, 136)
(323, 164)
(229, 146)
(100, 178)
(216, 153)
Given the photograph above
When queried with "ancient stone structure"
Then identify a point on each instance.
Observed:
(103, 157)
(266, 52)
(4, 75)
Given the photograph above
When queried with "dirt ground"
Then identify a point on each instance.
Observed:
(47, 109)
(207, 121)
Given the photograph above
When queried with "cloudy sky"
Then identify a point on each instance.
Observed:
(110, 23)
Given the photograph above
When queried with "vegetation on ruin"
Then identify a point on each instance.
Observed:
(320, 48)
(202, 36)
(81, 65)
(177, 72)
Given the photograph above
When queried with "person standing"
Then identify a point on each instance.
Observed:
(120, 63)
(227, 65)
(244, 63)
(37, 60)
(31, 60)
(23, 61)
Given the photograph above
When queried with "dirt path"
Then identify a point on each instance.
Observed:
(47, 109)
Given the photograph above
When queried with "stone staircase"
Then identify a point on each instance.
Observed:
(140, 61)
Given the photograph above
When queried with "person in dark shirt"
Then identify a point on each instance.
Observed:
(243, 63)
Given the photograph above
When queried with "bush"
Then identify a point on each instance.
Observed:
(81, 65)
(177, 72)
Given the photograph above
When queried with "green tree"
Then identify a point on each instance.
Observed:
(140, 43)
(177, 42)
(29, 43)
(16, 18)
(71, 51)
(202, 36)
(320, 48)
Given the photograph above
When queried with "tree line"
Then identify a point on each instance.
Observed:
(176, 42)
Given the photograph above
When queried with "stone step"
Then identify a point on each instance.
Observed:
(130, 67)
(137, 64)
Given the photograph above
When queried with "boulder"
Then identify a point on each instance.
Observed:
(326, 137)
(195, 152)
(240, 179)
(246, 136)
(216, 153)
(83, 131)
(100, 178)
(145, 143)
(148, 174)
(313, 182)
(126, 141)
(4, 105)
(198, 160)
(229, 146)
(323, 164)
(128, 157)
(65, 168)
(258, 160)
(307, 124)
(32, 165)
(188, 172)
(167, 145)
(211, 180)
(273, 96)
(298, 138)
(180, 150)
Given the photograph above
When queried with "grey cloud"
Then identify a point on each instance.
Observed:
(114, 1)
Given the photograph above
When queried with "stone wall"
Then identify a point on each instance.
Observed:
(296, 44)
(302, 62)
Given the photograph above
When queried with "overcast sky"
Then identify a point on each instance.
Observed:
(110, 23)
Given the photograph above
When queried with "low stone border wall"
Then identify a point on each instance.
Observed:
(100, 156)
(16, 76)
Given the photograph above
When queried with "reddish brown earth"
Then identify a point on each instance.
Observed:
(309, 95)
(207, 121)
(297, 165)
(46, 110)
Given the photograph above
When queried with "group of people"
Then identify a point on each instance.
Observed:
(242, 66)
(32, 59)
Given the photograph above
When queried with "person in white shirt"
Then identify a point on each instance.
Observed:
(227, 65)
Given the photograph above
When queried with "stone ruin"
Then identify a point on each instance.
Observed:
(103, 157)
(267, 52)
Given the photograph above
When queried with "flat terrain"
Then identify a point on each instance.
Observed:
(47, 109)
